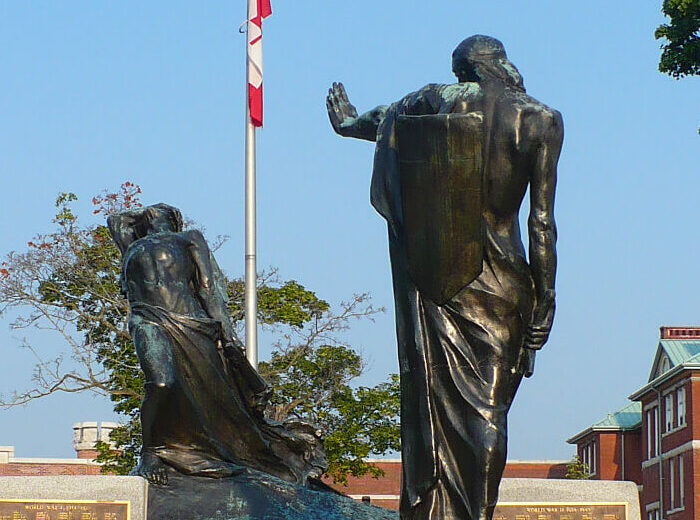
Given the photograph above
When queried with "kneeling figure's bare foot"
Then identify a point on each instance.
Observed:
(152, 469)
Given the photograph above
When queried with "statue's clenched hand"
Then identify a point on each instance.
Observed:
(341, 112)
(538, 331)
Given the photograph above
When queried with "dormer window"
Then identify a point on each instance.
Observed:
(665, 364)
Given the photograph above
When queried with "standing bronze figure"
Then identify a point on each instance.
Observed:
(203, 409)
(452, 165)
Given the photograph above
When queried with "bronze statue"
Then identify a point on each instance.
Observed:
(451, 168)
(202, 413)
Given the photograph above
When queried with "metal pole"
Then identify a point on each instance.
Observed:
(251, 297)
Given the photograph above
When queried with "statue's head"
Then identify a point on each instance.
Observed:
(128, 226)
(482, 58)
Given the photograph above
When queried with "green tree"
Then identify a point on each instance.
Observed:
(67, 282)
(577, 470)
(681, 53)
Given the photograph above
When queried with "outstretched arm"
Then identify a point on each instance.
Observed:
(344, 117)
(542, 228)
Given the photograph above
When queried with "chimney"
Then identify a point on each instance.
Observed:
(105, 429)
(6, 453)
(681, 333)
(86, 434)
(84, 439)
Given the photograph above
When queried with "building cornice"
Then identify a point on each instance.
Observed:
(654, 384)
(688, 446)
(77, 462)
(605, 429)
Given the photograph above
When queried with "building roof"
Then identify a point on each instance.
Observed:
(672, 357)
(676, 351)
(625, 419)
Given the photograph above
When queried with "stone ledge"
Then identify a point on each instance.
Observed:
(526, 490)
(98, 487)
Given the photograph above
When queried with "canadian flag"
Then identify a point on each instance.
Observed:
(258, 10)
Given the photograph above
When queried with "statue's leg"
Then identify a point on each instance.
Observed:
(495, 449)
(156, 358)
(496, 444)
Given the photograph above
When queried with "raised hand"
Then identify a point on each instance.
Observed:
(340, 111)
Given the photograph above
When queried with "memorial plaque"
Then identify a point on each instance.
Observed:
(561, 511)
(63, 510)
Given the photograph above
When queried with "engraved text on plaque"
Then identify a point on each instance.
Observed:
(561, 511)
(63, 510)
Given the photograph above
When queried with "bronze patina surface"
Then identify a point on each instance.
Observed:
(203, 411)
(63, 510)
(441, 178)
(452, 166)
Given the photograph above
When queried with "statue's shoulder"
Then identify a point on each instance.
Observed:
(440, 98)
(531, 117)
(194, 236)
(533, 110)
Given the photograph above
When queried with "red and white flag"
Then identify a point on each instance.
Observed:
(258, 10)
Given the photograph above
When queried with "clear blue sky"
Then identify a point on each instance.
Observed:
(96, 93)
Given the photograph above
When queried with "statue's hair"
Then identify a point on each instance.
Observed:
(128, 226)
(172, 213)
(483, 58)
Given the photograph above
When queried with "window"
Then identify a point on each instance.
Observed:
(588, 457)
(681, 483)
(653, 514)
(665, 365)
(669, 412)
(672, 484)
(652, 437)
(680, 404)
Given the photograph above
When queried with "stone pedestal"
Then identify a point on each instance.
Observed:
(70, 493)
(257, 496)
(545, 491)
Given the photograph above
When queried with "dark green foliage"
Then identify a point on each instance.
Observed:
(681, 52)
(312, 383)
(577, 470)
(68, 281)
(287, 303)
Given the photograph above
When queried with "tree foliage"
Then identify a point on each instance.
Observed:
(681, 53)
(577, 470)
(66, 282)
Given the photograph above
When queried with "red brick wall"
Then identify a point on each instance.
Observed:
(633, 456)
(24, 469)
(390, 484)
(535, 470)
(609, 455)
(650, 490)
(87, 454)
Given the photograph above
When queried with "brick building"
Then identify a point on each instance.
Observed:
(655, 440)
(85, 435)
(385, 491)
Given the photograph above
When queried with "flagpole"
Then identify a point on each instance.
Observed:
(251, 297)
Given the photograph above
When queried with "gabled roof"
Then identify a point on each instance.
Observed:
(625, 419)
(679, 354)
(676, 351)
